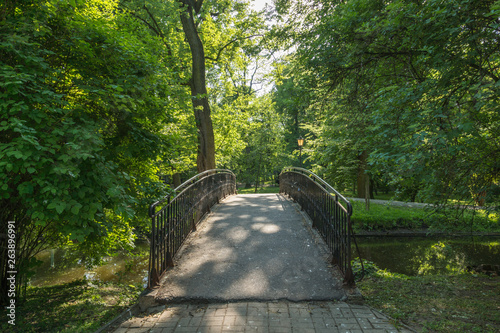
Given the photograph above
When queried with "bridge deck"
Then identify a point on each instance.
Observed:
(252, 247)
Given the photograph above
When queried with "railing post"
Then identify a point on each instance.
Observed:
(170, 260)
(193, 222)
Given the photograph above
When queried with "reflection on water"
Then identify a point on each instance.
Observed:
(61, 266)
(426, 256)
(406, 255)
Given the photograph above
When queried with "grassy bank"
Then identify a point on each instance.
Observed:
(388, 217)
(267, 189)
(436, 303)
(75, 307)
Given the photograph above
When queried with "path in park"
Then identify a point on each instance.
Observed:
(255, 265)
(252, 247)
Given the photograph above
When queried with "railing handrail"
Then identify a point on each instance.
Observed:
(191, 181)
(329, 189)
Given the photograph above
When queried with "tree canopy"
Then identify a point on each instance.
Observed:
(413, 85)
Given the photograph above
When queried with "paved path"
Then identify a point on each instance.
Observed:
(255, 265)
(257, 317)
(252, 247)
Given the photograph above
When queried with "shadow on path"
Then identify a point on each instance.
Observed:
(251, 247)
(254, 266)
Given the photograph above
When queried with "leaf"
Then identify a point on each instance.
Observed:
(25, 188)
(59, 206)
(76, 208)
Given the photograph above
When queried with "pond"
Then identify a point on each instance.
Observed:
(406, 255)
(428, 255)
(62, 266)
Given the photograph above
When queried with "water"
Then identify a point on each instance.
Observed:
(426, 256)
(60, 266)
(406, 255)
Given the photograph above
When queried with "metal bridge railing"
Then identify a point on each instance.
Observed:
(179, 213)
(329, 211)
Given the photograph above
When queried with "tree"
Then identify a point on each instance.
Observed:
(81, 117)
(215, 32)
(292, 100)
(264, 154)
(197, 82)
(422, 78)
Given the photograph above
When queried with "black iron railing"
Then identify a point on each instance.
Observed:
(329, 211)
(179, 213)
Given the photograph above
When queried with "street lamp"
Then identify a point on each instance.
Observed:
(300, 141)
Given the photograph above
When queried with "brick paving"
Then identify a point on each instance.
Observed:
(267, 317)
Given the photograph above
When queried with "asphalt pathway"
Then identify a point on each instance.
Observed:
(252, 247)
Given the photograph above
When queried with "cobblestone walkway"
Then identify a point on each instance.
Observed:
(268, 317)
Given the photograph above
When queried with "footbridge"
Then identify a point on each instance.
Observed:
(210, 244)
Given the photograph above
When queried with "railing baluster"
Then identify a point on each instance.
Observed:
(178, 216)
(331, 217)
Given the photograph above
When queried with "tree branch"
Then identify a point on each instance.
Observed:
(131, 12)
(197, 6)
(483, 71)
(252, 76)
(229, 43)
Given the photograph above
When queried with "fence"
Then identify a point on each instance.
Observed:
(179, 213)
(329, 211)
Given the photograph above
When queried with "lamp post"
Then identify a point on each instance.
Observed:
(300, 141)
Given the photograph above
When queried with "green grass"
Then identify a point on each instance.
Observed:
(76, 307)
(393, 196)
(436, 303)
(383, 217)
(380, 196)
(267, 189)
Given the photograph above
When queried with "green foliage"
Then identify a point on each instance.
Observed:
(264, 153)
(81, 119)
(363, 268)
(292, 98)
(413, 84)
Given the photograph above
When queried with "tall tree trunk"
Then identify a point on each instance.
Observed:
(176, 177)
(206, 141)
(367, 192)
(361, 193)
(257, 177)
